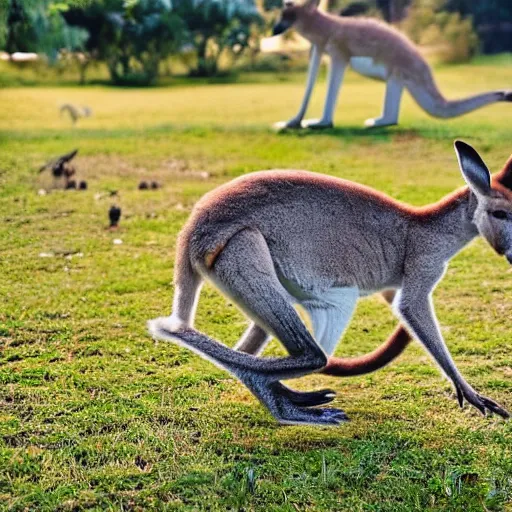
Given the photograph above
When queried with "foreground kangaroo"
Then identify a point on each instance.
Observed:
(273, 239)
(372, 49)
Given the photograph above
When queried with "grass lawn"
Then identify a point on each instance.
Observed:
(95, 415)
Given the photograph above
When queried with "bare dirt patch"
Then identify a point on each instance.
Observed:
(100, 166)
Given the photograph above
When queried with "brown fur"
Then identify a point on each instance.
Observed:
(393, 57)
(503, 180)
(387, 352)
(366, 37)
(212, 256)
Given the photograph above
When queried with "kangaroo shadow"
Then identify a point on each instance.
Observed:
(381, 133)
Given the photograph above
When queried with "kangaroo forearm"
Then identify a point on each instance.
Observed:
(420, 318)
(391, 349)
(314, 65)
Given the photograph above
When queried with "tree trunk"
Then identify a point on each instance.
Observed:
(125, 64)
(202, 64)
(83, 70)
(151, 68)
(112, 68)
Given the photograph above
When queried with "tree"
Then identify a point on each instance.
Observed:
(134, 36)
(147, 32)
(217, 25)
(131, 36)
(492, 20)
(92, 18)
(20, 35)
(36, 26)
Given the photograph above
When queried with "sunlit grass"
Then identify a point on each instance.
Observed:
(94, 414)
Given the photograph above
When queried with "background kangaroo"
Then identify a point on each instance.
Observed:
(270, 240)
(373, 49)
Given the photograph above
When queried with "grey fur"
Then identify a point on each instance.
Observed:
(274, 239)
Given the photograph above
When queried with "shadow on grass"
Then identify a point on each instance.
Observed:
(343, 133)
(382, 134)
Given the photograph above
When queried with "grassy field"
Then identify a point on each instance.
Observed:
(94, 415)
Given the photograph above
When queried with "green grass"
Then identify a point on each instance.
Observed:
(94, 415)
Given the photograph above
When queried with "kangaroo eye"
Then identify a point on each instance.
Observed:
(499, 214)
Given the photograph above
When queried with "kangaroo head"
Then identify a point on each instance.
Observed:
(493, 213)
(292, 12)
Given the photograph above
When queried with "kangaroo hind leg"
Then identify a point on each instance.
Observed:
(253, 342)
(392, 100)
(245, 272)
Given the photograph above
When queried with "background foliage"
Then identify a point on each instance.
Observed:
(491, 21)
(450, 35)
(133, 37)
(136, 38)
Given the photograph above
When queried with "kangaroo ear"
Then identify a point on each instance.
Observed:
(473, 169)
(505, 176)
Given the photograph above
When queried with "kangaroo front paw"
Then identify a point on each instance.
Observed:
(317, 124)
(482, 403)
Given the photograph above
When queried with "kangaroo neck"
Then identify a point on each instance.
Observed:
(314, 26)
(452, 219)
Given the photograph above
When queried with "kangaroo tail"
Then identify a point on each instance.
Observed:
(391, 349)
(428, 97)
(187, 284)
(237, 363)
(164, 329)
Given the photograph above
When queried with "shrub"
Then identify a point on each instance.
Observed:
(449, 35)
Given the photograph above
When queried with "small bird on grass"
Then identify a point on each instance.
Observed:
(60, 167)
(114, 215)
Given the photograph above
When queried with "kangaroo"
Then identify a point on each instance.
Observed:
(374, 49)
(274, 239)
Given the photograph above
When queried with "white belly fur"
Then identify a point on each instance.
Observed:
(330, 313)
(366, 66)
